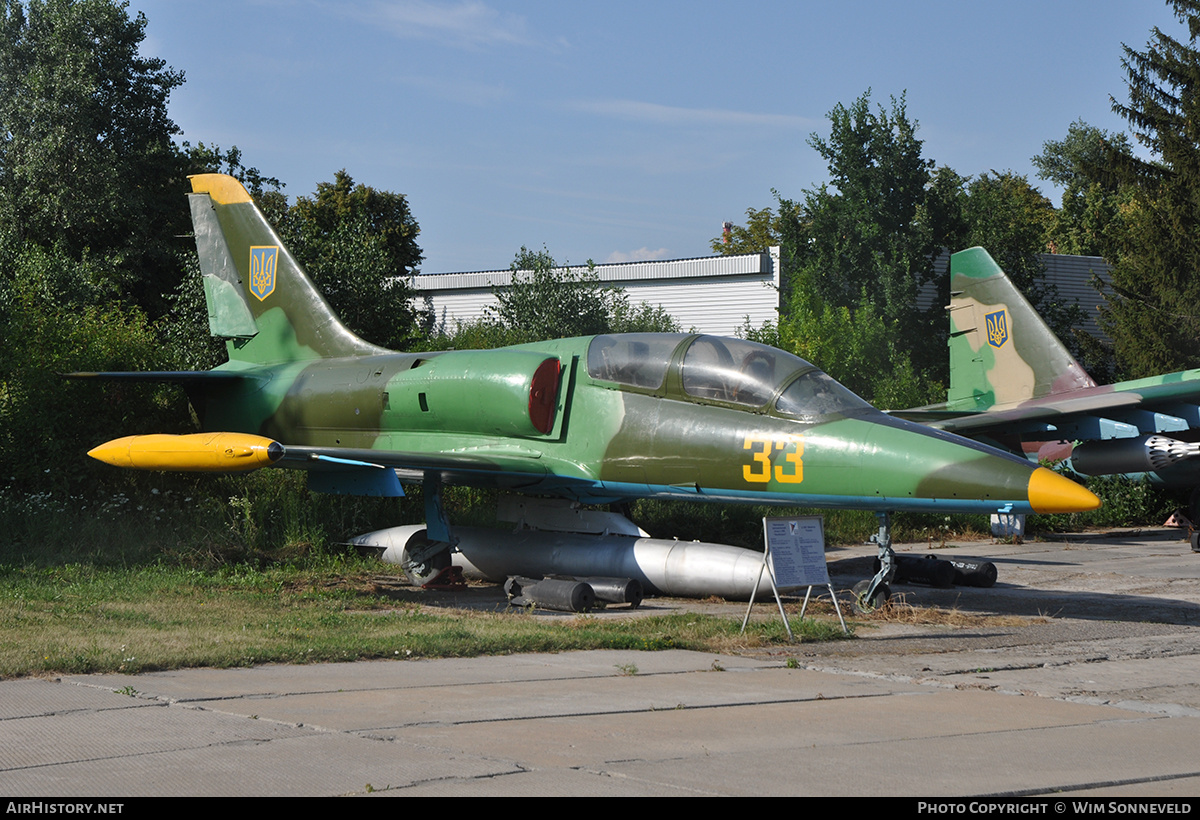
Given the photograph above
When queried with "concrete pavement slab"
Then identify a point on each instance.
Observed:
(761, 730)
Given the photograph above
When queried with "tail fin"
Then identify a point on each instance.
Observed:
(1000, 349)
(258, 296)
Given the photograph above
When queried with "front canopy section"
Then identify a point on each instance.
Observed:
(813, 396)
(713, 369)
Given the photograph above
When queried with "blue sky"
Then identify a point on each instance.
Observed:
(620, 130)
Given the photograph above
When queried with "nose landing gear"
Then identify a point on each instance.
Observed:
(868, 596)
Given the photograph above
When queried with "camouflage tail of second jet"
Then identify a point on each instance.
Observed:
(1001, 352)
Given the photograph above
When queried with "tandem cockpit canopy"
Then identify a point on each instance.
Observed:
(717, 369)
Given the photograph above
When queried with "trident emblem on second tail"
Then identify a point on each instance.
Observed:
(997, 328)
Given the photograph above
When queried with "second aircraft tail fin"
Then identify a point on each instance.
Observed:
(1001, 351)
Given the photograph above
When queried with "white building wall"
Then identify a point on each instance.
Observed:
(717, 305)
(1076, 278)
(711, 294)
(451, 306)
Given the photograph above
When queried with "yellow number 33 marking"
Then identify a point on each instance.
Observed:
(758, 471)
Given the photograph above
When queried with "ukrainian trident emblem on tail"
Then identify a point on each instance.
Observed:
(262, 270)
(997, 328)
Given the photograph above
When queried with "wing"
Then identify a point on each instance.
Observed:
(381, 472)
(352, 471)
(1161, 404)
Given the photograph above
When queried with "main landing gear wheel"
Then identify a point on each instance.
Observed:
(861, 604)
(426, 561)
(423, 562)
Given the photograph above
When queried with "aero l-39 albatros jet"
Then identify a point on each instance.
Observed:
(595, 419)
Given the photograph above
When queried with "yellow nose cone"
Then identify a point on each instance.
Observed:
(1051, 493)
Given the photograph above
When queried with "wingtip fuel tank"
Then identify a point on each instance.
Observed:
(197, 452)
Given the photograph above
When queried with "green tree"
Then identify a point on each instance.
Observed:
(546, 301)
(1076, 160)
(86, 158)
(91, 219)
(870, 233)
(860, 249)
(943, 215)
(856, 345)
(1151, 313)
(549, 302)
(58, 321)
(640, 318)
(763, 230)
(1011, 219)
(1092, 195)
(859, 228)
(359, 245)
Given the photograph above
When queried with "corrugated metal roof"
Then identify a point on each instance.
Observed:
(703, 266)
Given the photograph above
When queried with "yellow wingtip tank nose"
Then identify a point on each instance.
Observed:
(115, 452)
(199, 452)
(1051, 493)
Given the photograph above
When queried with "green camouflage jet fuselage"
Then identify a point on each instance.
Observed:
(465, 416)
(597, 419)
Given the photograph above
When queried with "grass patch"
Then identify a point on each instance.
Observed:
(227, 571)
(85, 619)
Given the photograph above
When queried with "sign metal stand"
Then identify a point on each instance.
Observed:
(794, 557)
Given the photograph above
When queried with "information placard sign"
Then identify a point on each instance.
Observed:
(797, 549)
